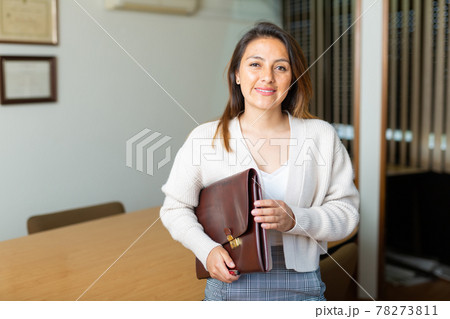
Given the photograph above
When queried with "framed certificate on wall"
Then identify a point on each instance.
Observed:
(27, 79)
(29, 21)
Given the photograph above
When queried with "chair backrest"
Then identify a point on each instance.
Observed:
(339, 285)
(74, 216)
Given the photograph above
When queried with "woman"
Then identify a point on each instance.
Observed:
(306, 176)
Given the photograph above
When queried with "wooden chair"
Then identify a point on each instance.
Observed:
(74, 216)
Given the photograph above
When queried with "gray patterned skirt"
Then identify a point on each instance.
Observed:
(278, 284)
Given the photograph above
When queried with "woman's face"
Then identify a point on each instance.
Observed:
(264, 74)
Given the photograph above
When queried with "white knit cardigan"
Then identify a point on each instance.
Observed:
(320, 189)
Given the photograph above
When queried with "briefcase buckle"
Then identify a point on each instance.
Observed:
(234, 242)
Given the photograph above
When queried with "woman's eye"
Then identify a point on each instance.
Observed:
(279, 67)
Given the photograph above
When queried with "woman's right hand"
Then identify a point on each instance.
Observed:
(217, 262)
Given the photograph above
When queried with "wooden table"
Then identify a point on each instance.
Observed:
(61, 264)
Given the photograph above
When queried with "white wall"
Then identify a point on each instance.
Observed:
(72, 153)
(370, 145)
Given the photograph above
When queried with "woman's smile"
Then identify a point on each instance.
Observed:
(265, 91)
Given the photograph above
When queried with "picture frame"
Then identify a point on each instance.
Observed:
(25, 79)
(29, 22)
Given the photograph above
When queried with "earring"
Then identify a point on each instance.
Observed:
(238, 82)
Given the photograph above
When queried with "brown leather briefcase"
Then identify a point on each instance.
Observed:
(224, 211)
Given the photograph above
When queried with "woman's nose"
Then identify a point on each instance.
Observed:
(267, 74)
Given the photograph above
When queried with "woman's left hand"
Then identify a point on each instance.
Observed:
(274, 214)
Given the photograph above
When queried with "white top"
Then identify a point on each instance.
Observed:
(274, 187)
(321, 193)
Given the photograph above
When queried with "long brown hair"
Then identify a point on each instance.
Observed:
(299, 95)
